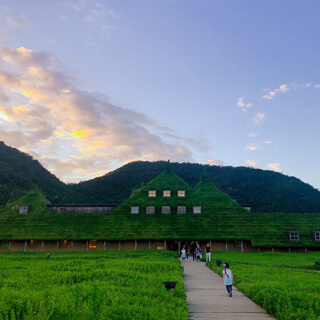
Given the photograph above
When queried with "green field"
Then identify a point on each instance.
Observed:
(286, 285)
(93, 285)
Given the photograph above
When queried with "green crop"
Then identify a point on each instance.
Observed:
(94, 285)
(286, 285)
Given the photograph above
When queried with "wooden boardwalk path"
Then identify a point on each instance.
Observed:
(207, 297)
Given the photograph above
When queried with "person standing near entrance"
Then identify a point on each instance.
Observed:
(227, 278)
(208, 252)
(183, 254)
(193, 250)
(198, 253)
(187, 251)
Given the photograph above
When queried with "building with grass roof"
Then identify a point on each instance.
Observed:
(164, 214)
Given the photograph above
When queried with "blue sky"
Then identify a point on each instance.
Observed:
(87, 86)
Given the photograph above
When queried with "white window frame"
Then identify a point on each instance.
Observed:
(182, 208)
(166, 208)
(23, 209)
(135, 209)
(317, 235)
(294, 236)
(197, 209)
(181, 193)
(166, 193)
(152, 193)
(153, 209)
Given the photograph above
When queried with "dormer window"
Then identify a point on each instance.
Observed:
(181, 193)
(167, 193)
(135, 210)
(197, 209)
(152, 193)
(23, 209)
(165, 209)
(294, 235)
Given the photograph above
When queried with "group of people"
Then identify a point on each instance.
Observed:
(195, 249)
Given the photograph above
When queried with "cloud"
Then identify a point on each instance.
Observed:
(215, 162)
(316, 86)
(243, 105)
(258, 118)
(46, 112)
(274, 167)
(21, 22)
(252, 164)
(253, 134)
(272, 93)
(255, 146)
(306, 85)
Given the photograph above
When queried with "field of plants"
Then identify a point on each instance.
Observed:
(91, 285)
(286, 285)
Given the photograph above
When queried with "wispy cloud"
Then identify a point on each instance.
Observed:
(243, 105)
(317, 86)
(252, 164)
(256, 146)
(44, 111)
(16, 22)
(272, 93)
(215, 162)
(274, 167)
(258, 118)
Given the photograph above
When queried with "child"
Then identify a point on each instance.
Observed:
(227, 278)
(183, 254)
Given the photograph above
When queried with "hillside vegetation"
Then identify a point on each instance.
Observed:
(267, 191)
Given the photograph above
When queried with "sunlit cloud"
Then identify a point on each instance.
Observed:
(317, 86)
(274, 167)
(243, 105)
(258, 118)
(215, 162)
(44, 112)
(252, 164)
(252, 147)
(272, 93)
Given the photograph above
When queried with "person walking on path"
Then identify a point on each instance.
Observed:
(187, 251)
(183, 254)
(198, 253)
(208, 252)
(227, 278)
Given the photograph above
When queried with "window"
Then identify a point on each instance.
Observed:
(197, 209)
(167, 193)
(294, 235)
(237, 244)
(150, 209)
(23, 210)
(181, 209)
(92, 244)
(63, 243)
(317, 235)
(152, 193)
(181, 193)
(62, 210)
(134, 210)
(165, 209)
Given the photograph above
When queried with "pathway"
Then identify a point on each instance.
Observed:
(207, 297)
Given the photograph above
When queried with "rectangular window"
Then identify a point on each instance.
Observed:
(92, 244)
(134, 210)
(165, 209)
(167, 193)
(237, 244)
(150, 209)
(152, 193)
(181, 209)
(181, 193)
(317, 236)
(197, 209)
(294, 236)
(23, 210)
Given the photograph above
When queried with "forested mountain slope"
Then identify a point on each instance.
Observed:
(267, 191)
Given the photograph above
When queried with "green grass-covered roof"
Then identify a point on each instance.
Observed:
(221, 219)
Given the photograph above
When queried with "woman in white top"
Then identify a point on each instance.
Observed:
(227, 278)
(183, 254)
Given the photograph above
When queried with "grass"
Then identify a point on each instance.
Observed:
(95, 285)
(286, 285)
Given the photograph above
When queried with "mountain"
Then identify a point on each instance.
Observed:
(19, 173)
(266, 191)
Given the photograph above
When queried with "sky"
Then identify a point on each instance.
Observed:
(88, 86)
